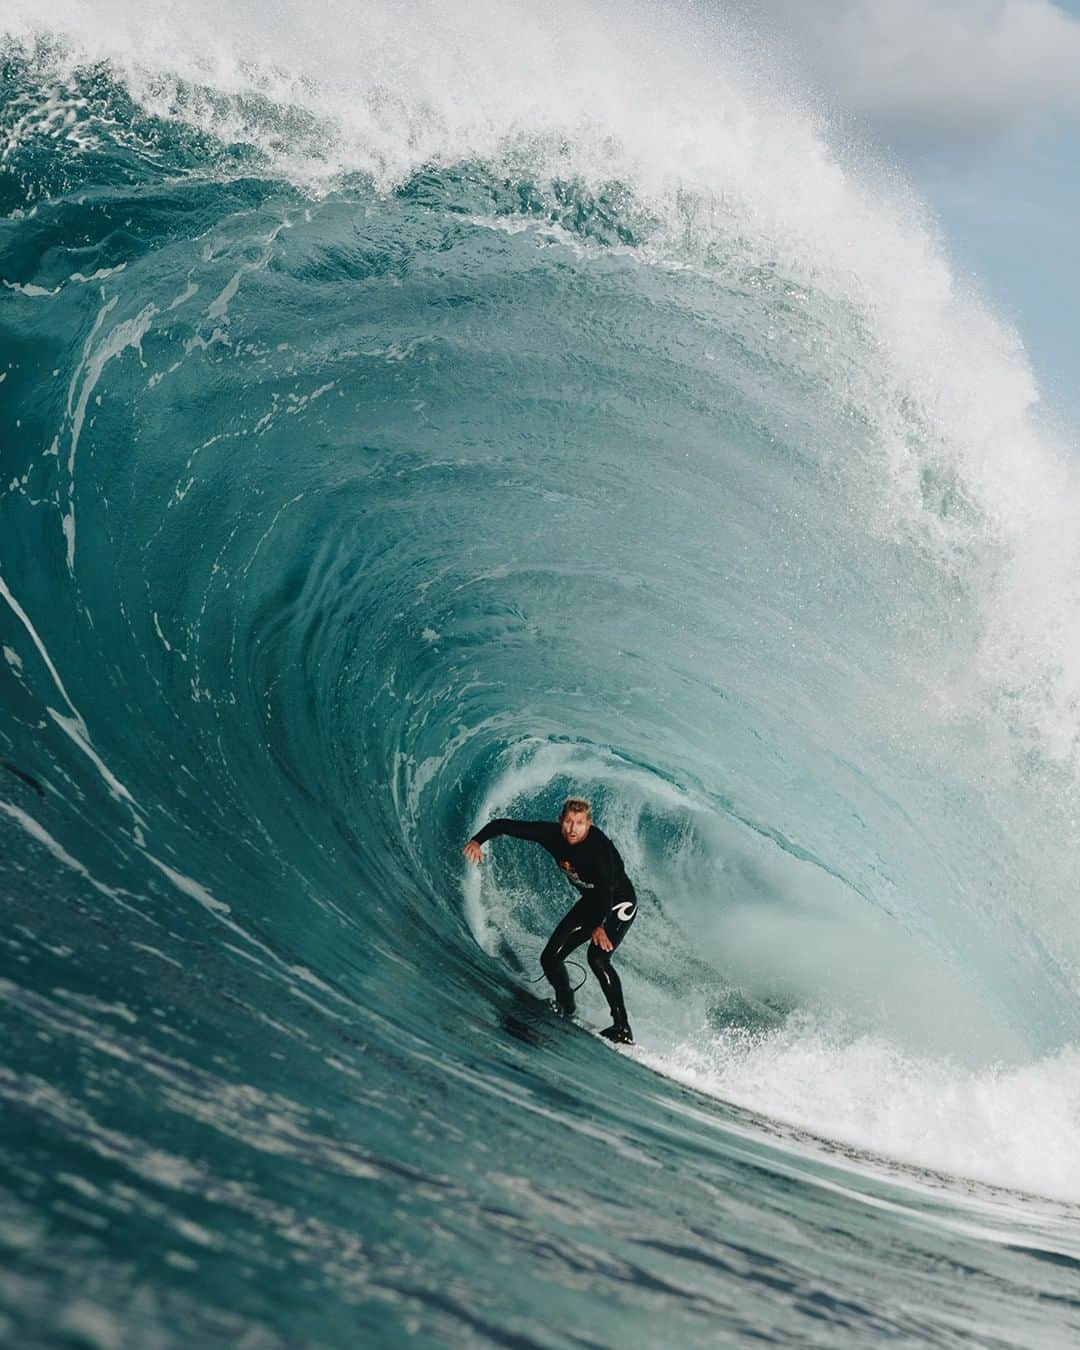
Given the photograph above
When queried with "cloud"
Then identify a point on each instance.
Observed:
(929, 71)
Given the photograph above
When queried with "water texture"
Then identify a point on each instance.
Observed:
(414, 417)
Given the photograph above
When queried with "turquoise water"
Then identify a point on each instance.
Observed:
(423, 425)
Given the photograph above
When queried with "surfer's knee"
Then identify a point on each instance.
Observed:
(550, 958)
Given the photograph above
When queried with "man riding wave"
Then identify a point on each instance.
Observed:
(608, 904)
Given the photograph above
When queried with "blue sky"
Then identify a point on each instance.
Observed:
(978, 101)
(1011, 216)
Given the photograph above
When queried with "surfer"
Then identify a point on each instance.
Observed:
(604, 913)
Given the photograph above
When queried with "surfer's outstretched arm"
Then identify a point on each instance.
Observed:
(543, 832)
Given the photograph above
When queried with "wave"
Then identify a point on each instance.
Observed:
(416, 417)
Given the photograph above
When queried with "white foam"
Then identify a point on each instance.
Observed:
(24, 619)
(35, 292)
(129, 333)
(1013, 1126)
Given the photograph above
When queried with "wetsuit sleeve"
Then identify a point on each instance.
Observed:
(539, 831)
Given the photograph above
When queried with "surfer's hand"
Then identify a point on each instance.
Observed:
(473, 852)
(602, 940)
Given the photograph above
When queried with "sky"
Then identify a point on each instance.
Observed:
(978, 102)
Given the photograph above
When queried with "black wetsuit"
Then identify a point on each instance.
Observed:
(594, 868)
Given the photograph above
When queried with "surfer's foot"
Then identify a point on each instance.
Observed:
(620, 1033)
(562, 1009)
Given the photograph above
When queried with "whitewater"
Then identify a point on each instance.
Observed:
(414, 416)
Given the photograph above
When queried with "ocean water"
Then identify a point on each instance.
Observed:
(413, 416)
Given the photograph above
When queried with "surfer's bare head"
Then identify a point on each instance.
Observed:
(575, 819)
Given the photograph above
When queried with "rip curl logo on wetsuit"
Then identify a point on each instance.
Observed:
(625, 910)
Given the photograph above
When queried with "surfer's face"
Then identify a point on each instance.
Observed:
(575, 826)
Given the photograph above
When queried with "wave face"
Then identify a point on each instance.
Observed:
(423, 425)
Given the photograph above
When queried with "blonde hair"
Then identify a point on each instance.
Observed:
(575, 804)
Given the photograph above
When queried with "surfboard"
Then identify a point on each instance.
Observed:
(531, 1015)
